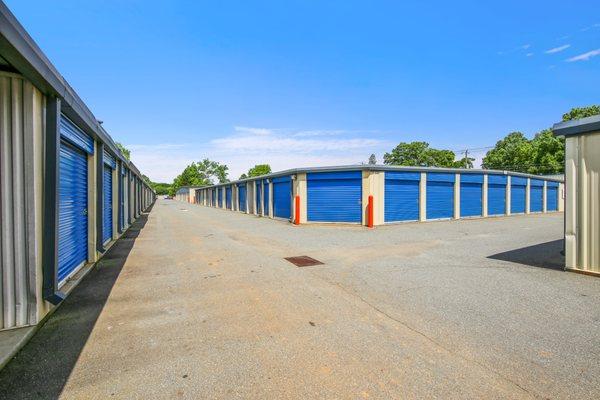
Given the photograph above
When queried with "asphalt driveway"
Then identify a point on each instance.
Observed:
(200, 303)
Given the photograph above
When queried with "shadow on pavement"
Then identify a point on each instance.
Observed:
(543, 255)
(41, 369)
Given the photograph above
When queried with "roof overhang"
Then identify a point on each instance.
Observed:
(577, 126)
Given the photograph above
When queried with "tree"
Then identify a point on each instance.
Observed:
(124, 150)
(202, 173)
(514, 153)
(243, 176)
(465, 162)
(548, 153)
(212, 170)
(372, 160)
(581, 112)
(420, 154)
(259, 169)
(544, 154)
(161, 188)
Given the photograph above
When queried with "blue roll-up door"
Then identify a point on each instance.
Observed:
(122, 200)
(266, 197)
(440, 195)
(214, 198)
(72, 210)
(107, 209)
(518, 189)
(334, 196)
(552, 196)
(497, 194)
(220, 197)
(242, 197)
(282, 197)
(536, 195)
(401, 196)
(258, 197)
(228, 197)
(471, 195)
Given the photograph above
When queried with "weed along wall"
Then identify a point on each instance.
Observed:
(66, 190)
(378, 195)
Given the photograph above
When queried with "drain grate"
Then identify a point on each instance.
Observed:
(303, 261)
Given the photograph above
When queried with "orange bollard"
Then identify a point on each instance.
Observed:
(297, 216)
(370, 212)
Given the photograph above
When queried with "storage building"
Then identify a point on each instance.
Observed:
(377, 194)
(582, 205)
(66, 191)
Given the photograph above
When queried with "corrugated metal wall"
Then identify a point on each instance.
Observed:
(21, 144)
(582, 212)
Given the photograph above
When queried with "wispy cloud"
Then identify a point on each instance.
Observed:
(253, 131)
(529, 54)
(313, 133)
(584, 56)
(523, 47)
(246, 146)
(284, 143)
(558, 49)
(593, 26)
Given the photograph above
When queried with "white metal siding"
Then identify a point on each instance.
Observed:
(582, 208)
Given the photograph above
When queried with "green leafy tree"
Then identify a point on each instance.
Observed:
(465, 162)
(243, 176)
(548, 153)
(581, 112)
(513, 153)
(372, 159)
(202, 173)
(544, 154)
(124, 150)
(420, 154)
(161, 188)
(259, 170)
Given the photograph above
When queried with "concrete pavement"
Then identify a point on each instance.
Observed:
(199, 303)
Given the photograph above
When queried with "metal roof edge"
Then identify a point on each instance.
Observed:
(367, 167)
(577, 126)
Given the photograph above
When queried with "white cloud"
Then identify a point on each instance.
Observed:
(525, 46)
(558, 49)
(584, 56)
(320, 133)
(247, 146)
(587, 28)
(529, 54)
(253, 131)
(283, 143)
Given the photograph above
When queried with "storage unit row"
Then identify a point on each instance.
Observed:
(66, 191)
(341, 194)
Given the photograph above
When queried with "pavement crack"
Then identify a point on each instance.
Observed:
(432, 340)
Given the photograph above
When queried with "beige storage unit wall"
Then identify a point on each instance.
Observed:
(49, 185)
(22, 109)
(582, 193)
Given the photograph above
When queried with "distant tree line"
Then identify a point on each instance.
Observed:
(543, 154)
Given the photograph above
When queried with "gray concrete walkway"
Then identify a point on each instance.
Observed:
(199, 303)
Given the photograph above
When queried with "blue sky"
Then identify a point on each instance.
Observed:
(306, 83)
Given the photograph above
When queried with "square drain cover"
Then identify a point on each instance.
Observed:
(303, 261)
